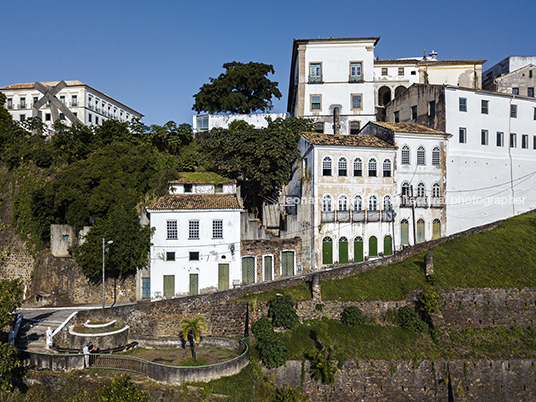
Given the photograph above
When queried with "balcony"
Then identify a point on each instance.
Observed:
(315, 79)
(421, 202)
(437, 202)
(355, 78)
(406, 201)
(328, 216)
(358, 216)
(387, 216)
(343, 216)
(373, 216)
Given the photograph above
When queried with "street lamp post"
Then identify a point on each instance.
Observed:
(104, 251)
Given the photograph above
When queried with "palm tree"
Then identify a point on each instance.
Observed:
(191, 329)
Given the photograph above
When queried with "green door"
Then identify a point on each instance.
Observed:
(404, 232)
(194, 284)
(223, 276)
(248, 270)
(268, 267)
(169, 285)
(343, 250)
(327, 251)
(420, 231)
(287, 263)
(373, 246)
(358, 249)
(387, 245)
(436, 229)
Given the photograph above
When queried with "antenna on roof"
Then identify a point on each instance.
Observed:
(424, 54)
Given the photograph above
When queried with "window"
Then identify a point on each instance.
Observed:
(525, 141)
(23, 103)
(354, 127)
(513, 111)
(202, 123)
(343, 203)
(413, 72)
(372, 168)
(358, 203)
(327, 203)
(414, 112)
(74, 100)
(62, 99)
(405, 155)
(217, 229)
(219, 188)
(530, 73)
(436, 190)
(431, 108)
(421, 190)
(387, 205)
(22, 117)
(316, 102)
(436, 156)
(315, 73)
(386, 168)
(356, 71)
(356, 101)
(193, 229)
(515, 91)
(326, 166)
(172, 232)
(89, 117)
(170, 256)
(530, 92)
(62, 116)
(513, 140)
(10, 103)
(358, 167)
(319, 127)
(534, 117)
(194, 256)
(400, 70)
(47, 117)
(462, 135)
(343, 167)
(397, 117)
(484, 137)
(35, 100)
(421, 156)
(500, 139)
(484, 107)
(188, 188)
(373, 203)
(405, 190)
(384, 71)
(463, 104)
(534, 142)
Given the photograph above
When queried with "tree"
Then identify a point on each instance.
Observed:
(10, 299)
(191, 329)
(243, 88)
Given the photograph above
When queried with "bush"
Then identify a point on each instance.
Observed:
(262, 328)
(408, 319)
(289, 394)
(434, 280)
(281, 311)
(272, 352)
(352, 316)
(429, 302)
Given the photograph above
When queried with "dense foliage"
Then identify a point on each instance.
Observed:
(122, 390)
(263, 328)
(10, 299)
(242, 88)
(352, 316)
(282, 312)
(272, 352)
(408, 319)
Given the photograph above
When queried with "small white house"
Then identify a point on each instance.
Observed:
(196, 238)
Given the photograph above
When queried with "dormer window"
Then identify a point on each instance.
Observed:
(219, 188)
(187, 188)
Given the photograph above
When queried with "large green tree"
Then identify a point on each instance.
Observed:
(242, 88)
(10, 300)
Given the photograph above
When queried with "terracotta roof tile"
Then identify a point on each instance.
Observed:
(346, 140)
(407, 128)
(196, 201)
(30, 85)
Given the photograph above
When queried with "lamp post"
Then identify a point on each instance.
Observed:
(105, 249)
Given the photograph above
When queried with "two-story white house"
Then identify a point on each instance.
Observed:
(196, 239)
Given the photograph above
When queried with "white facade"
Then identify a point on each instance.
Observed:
(196, 242)
(87, 104)
(207, 122)
(508, 65)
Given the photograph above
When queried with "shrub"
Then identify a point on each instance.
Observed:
(122, 390)
(289, 394)
(323, 368)
(281, 311)
(352, 316)
(262, 328)
(429, 302)
(434, 280)
(408, 319)
(320, 307)
(272, 352)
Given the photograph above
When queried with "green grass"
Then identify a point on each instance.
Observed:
(203, 177)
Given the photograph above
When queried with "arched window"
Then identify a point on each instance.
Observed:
(420, 190)
(327, 203)
(358, 203)
(326, 166)
(420, 231)
(387, 205)
(373, 203)
(421, 156)
(436, 190)
(319, 127)
(343, 203)
(343, 167)
(436, 156)
(358, 167)
(387, 168)
(436, 229)
(343, 250)
(372, 166)
(404, 232)
(405, 155)
(405, 193)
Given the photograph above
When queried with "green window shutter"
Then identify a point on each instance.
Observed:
(248, 270)
(373, 246)
(387, 245)
(287, 263)
(358, 251)
(268, 267)
(194, 284)
(343, 252)
(327, 252)
(169, 285)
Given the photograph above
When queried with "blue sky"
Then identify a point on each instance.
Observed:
(154, 56)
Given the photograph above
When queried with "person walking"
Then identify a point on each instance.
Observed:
(85, 351)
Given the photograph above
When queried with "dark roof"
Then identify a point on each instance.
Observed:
(346, 140)
(196, 201)
(407, 128)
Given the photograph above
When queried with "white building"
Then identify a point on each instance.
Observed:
(207, 122)
(490, 159)
(504, 67)
(85, 103)
(196, 239)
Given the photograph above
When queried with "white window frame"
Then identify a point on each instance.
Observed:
(421, 156)
(217, 232)
(405, 155)
(342, 166)
(436, 156)
(193, 228)
(172, 229)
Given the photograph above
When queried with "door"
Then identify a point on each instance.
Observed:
(268, 267)
(358, 249)
(287, 263)
(420, 231)
(387, 245)
(327, 251)
(145, 288)
(343, 250)
(436, 229)
(373, 246)
(248, 270)
(404, 232)
(223, 276)
(194, 284)
(169, 285)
